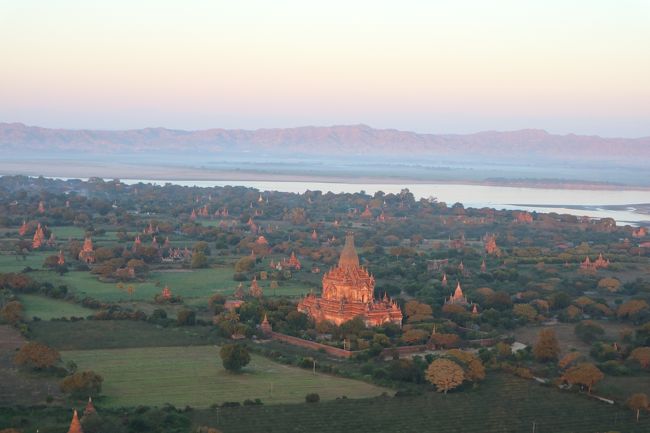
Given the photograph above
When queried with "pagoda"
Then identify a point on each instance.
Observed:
(255, 290)
(458, 298)
(239, 291)
(600, 262)
(366, 213)
(265, 326)
(90, 407)
(314, 235)
(87, 254)
(348, 292)
(41, 206)
(136, 244)
(23, 229)
(483, 266)
(639, 232)
(444, 279)
(166, 293)
(75, 425)
(39, 238)
(491, 245)
(61, 259)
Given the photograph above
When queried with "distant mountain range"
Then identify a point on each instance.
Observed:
(347, 140)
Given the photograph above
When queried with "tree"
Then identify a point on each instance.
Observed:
(186, 317)
(568, 359)
(588, 331)
(234, 357)
(584, 374)
(12, 312)
(642, 356)
(245, 264)
(638, 402)
(525, 311)
(547, 347)
(444, 340)
(82, 384)
(631, 309)
(418, 311)
(445, 374)
(415, 336)
(609, 284)
(474, 369)
(199, 260)
(37, 356)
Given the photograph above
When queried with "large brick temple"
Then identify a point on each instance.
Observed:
(348, 292)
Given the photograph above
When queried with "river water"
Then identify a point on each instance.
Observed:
(589, 203)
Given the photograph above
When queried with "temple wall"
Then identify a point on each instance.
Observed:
(334, 351)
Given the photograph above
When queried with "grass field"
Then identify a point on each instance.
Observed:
(13, 263)
(48, 308)
(500, 404)
(194, 286)
(110, 334)
(194, 376)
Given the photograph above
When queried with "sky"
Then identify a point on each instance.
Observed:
(567, 66)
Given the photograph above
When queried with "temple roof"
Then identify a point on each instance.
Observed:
(349, 257)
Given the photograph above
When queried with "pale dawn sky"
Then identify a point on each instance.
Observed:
(428, 66)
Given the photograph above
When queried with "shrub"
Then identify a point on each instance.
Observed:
(82, 384)
(312, 398)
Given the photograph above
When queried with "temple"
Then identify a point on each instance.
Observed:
(87, 254)
(348, 292)
(166, 293)
(458, 298)
(599, 263)
(523, 217)
(39, 238)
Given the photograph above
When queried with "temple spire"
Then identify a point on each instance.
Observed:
(349, 257)
(75, 425)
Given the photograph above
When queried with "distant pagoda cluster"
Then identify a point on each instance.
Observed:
(348, 292)
(599, 263)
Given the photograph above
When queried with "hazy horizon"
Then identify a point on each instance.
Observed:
(565, 67)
